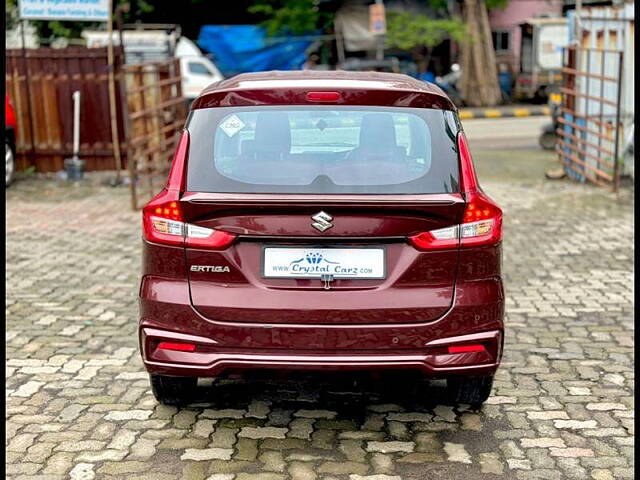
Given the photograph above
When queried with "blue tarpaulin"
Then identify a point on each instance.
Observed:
(247, 48)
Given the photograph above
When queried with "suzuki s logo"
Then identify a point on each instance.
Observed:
(322, 221)
(210, 268)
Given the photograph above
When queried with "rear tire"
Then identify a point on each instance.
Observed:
(175, 391)
(548, 140)
(473, 391)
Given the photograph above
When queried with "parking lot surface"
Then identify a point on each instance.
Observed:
(79, 404)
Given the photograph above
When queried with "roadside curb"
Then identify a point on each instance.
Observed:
(468, 113)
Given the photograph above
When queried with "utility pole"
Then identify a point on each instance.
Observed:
(113, 112)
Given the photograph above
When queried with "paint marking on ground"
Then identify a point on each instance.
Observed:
(491, 113)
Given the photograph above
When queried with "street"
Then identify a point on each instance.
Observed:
(79, 404)
(519, 132)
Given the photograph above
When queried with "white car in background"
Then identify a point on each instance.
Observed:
(197, 70)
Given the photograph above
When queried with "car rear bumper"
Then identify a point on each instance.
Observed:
(476, 316)
(212, 363)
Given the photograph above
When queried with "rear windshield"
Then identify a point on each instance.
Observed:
(322, 149)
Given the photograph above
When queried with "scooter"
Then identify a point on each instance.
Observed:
(449, 83)
(548, 136)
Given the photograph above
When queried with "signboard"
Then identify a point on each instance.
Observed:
(76, 10)
(551, 39)
(377, 19)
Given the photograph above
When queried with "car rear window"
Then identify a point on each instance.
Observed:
(322, 149)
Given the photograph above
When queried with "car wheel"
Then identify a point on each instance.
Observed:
(10, 162)
(548, 140)
(173, 390)
(473, 391)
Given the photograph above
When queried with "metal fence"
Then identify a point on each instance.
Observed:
(40, 83)
(590, 123)
(156, 116)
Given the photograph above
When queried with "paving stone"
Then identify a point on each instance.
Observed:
(388, 447)
(343, 468)
(128, 415)
(273, 461)
(490, 463)
(82, 471)
(259, 476)
(28, 389)
(262, 432)
(575, 424)
(542, 442)
(456, 452)
(361, 435)
(226, 413)
(207, 454)
(374, 477)
(102, 456)
(302, 471)
(315, 414)
(352, 450)
(548, 415)
(410, 417)
(571, 452)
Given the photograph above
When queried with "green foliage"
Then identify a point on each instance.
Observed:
(291, 16)
(491, 4)
(408, 30)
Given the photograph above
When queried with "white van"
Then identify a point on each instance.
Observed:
(197, 70)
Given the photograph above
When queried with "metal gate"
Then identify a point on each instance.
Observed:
(156, 116)
(589, 133)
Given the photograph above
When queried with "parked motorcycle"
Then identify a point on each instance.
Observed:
(548, 136)
(449, 83)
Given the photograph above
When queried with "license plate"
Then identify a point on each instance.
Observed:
(285, 262)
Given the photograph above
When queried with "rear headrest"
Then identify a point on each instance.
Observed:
(377, 131)
(273, 133)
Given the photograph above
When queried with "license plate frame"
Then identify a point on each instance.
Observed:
(379, 273)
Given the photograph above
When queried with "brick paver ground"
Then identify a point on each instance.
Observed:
(79, 404)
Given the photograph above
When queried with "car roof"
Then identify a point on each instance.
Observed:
(358, 88)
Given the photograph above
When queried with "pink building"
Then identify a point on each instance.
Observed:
(506, 32)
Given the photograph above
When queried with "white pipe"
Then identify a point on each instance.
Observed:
(76, 123)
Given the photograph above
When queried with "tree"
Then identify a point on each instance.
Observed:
(420, 34)
(479, 80)
(291, 16)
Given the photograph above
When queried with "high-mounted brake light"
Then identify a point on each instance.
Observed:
(162, 218)
(481, 220)
(323, 96)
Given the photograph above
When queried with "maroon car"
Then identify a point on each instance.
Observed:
(322, 221)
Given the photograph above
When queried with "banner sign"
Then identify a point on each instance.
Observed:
(377, 19)
(75, 10)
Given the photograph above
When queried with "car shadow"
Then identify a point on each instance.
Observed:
(347, 393)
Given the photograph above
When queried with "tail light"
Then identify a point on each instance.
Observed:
(162, 222)
(162, 218)
(481, 220)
